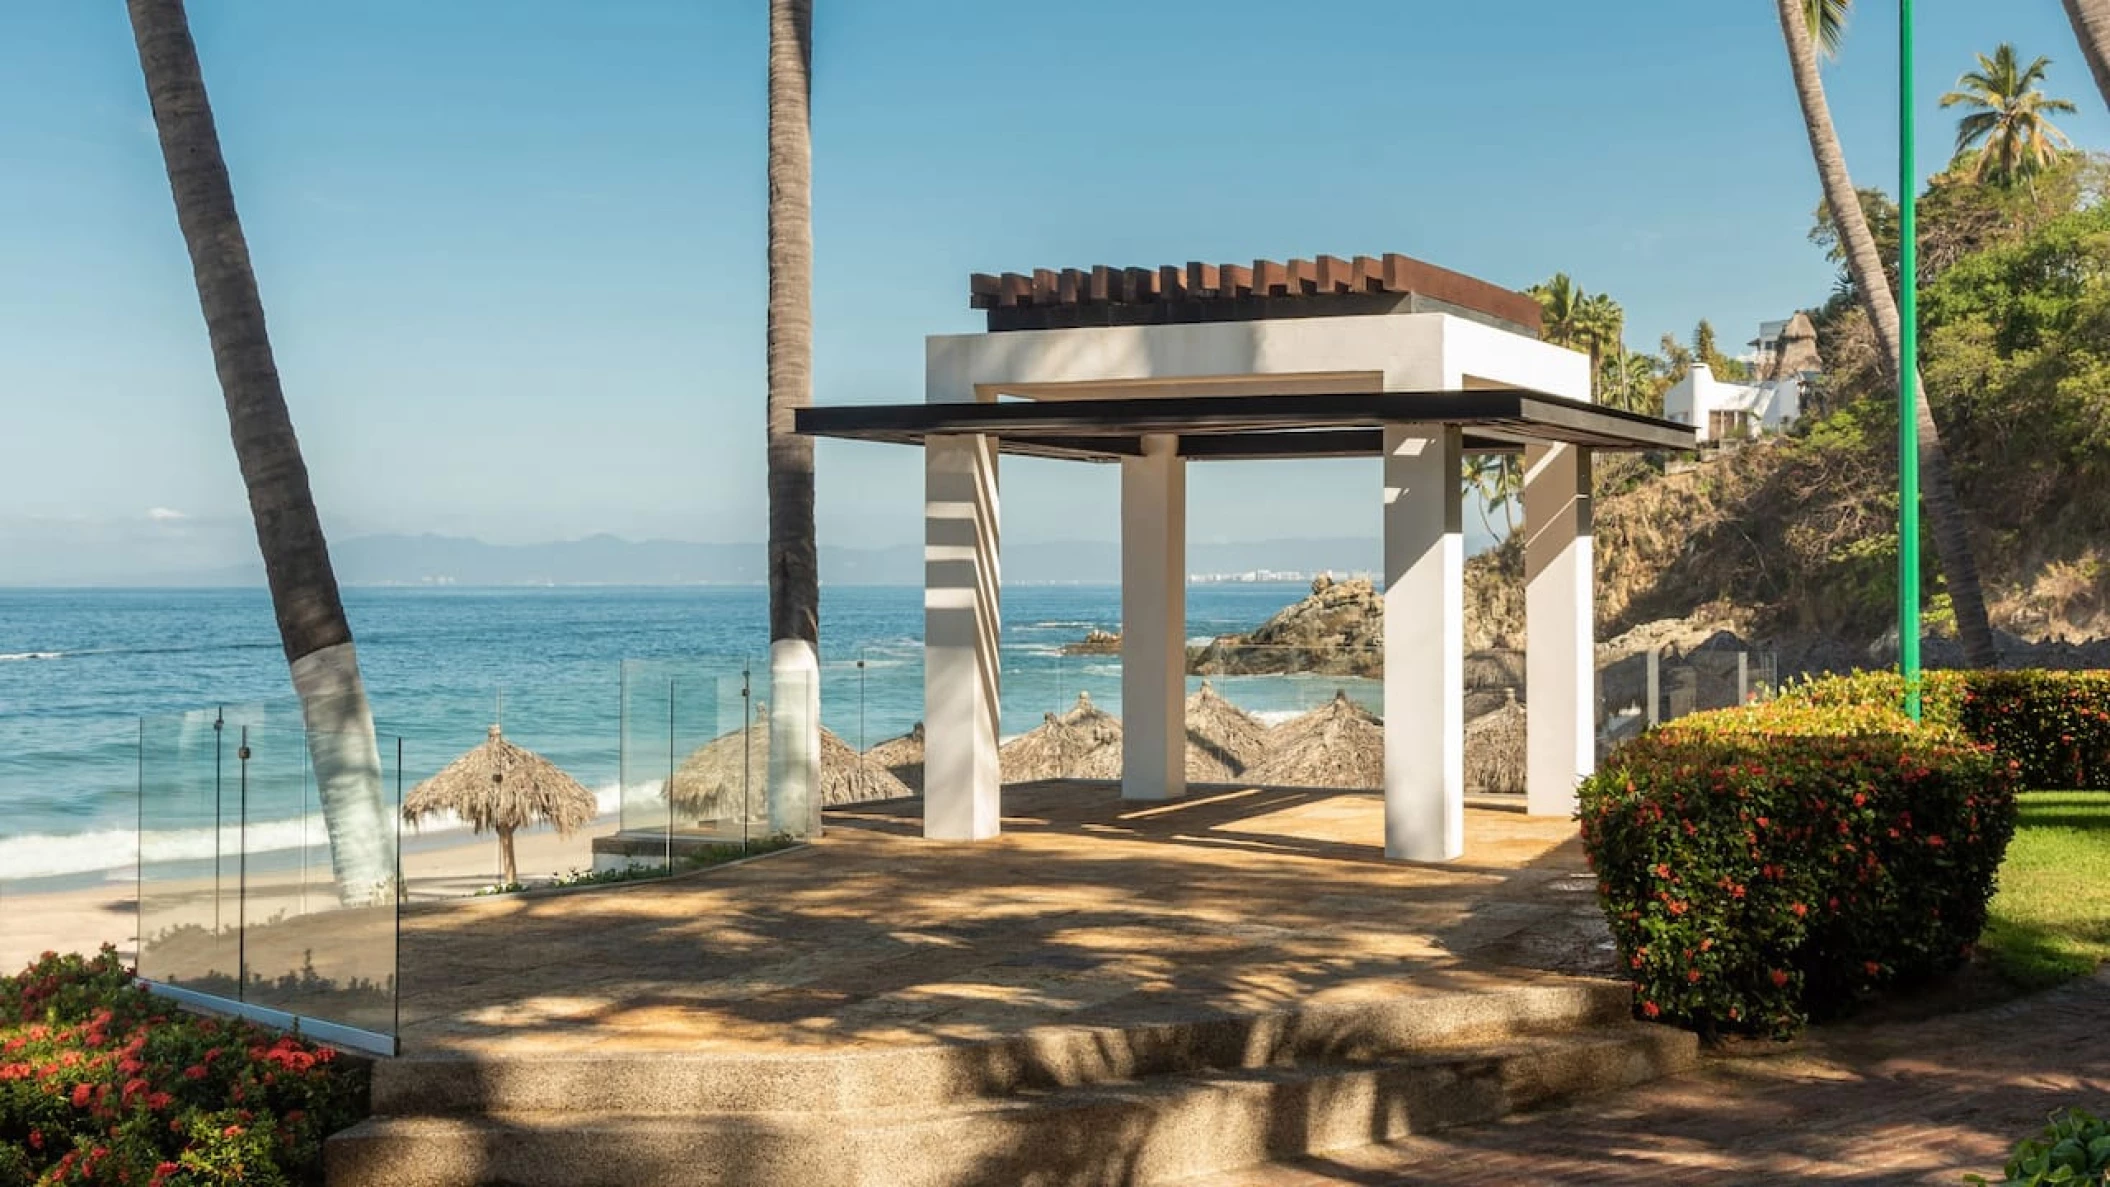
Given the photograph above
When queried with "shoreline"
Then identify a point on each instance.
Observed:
(37, 916)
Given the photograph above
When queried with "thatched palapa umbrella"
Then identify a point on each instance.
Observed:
(499, 787)
(1494, 749)
(734, 769)
(1223, 740)
(902, 757)
(1339, 744)
(1084, 743)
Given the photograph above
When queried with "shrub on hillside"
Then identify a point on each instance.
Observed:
(101, 1083)
(2054, 725)
(1762, 866)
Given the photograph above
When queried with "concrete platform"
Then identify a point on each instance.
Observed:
(1087, 911)
(1107, 993)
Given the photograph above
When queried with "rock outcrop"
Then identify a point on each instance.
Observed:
(1338, 631)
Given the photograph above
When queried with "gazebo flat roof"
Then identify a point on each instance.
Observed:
(1223, 428)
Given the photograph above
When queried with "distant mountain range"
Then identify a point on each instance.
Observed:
(609, 560)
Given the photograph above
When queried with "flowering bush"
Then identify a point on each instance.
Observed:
(101, 1083)
(1760, 866)
(2055, 725)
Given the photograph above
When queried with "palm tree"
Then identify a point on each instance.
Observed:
(311, 622)
(1600, 324)
(1804, 25)
(1498, 479)
(2009, 125)
(2091, 24)
(794, 566)
(1629, 381)
(1560, 305)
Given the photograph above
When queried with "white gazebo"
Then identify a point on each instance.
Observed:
(1153, 369)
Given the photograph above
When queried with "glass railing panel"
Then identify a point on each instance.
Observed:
(269, 869)
(190, 837)
(319, 924)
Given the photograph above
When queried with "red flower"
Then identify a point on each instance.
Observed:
(1661, 870)
(1651, 1009)
(232, 1131)
(195, 1071)
(81, 1095)
(1800, 910)
(1873, 968)
(1693, 976)
(1780, 979)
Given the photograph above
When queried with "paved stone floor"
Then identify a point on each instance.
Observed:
(1921, 1102)
(1087, 911)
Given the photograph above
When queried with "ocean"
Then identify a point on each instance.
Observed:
(80, 669)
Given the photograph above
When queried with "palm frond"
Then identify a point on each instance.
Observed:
(1827, 21)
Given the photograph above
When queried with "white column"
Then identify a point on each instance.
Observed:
(1154, 622)
(1560, 664)
(961, 707)
(1424, 644)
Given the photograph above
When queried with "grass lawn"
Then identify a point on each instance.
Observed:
(2051, 920)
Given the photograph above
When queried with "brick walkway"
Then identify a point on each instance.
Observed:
(1920, 1102)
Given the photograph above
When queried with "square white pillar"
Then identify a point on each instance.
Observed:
(1154, 622)
(1560, 662)
(962, 800)
(1424, 644)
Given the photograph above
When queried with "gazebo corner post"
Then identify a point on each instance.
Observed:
(1560, 663)
(1424, 643)
(1154, 621)
(962, 705)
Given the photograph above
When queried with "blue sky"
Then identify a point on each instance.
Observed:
(513, 252)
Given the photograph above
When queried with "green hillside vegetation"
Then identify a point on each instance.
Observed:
(1797, 532)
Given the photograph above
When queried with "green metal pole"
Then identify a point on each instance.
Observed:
(1908, 376)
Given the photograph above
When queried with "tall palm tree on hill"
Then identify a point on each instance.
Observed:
(2091, 24)
(1805, 26)
(2009, 127)
(794, 563)
(1600, 325)
(311, 622)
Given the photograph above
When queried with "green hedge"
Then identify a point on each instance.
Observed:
(1762, 866)
(2054, 725)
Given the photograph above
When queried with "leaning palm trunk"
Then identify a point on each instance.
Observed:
(1952, 535)
(794, 567)
(311, 622)
(2091, 24)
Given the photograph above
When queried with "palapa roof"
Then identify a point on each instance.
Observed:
(719, 774)
(1494, 749)
(1222, 739)
(1339, 744)
(1084, 743)
(499, 785)
(903, 756)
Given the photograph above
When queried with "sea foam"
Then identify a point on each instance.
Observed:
(47, 855)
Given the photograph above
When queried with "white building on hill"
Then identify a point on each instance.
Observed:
(1785, 361)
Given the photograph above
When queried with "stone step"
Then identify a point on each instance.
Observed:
(688, 1083)
(1162, 1129)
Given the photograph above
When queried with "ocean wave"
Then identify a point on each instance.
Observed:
(48, 855)
(21, 656)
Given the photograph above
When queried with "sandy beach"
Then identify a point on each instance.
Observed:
(436, 865)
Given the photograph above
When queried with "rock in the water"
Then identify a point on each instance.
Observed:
(1097, 642)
